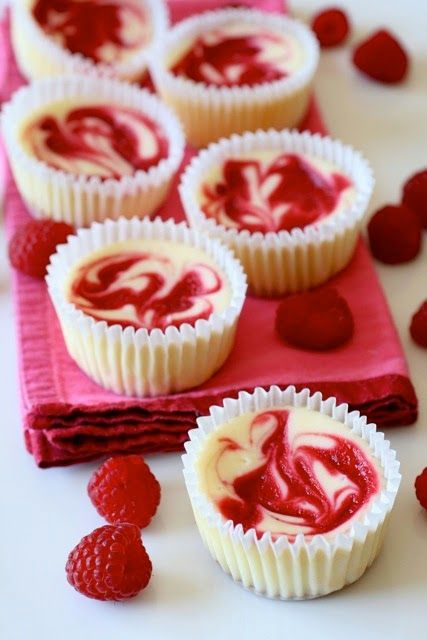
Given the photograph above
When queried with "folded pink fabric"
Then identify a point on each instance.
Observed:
(180, 9)
(67, 418)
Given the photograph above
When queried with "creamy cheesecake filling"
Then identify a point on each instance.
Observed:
(148, 284)
(105, 140)
(108, 31)
(288, 471)
(237, 54)
(270, 191)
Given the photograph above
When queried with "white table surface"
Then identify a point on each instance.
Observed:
(45, 513)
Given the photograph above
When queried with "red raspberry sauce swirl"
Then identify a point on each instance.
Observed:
(85, 26)
(288, 193)
(142, 289)
(228, 60)
(287, 487)
(103, 140)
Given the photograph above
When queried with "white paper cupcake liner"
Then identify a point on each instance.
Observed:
(209, 112)
(141, 362)
(306, 567)
(286, 261)
(38, 55)
(77, 199)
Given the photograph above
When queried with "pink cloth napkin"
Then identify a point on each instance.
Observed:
(67, 418)
(180, 9)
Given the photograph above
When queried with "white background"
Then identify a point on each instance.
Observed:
(45, 513)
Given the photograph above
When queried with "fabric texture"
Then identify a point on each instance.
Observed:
(67, 418)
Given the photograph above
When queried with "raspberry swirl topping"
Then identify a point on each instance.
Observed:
(274, 193)
(288, 471)
(108, 141)
(105, 31)
(148, 283)
(239, 54)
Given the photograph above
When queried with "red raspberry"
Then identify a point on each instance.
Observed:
(315, 320)
(394, 234)
(382, 58)
(331, 27)
(418, 328)
(415, 195)
(123, 489)
(421, 488)
(111, 563)
(33, 243)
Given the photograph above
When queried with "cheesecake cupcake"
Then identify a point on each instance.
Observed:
(109, 37)
(235, 70)
(146, 307)
(85, 148)
(291, 493)
(289, 204)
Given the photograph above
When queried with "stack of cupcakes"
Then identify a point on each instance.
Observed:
(151, 307)
(85, 147)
